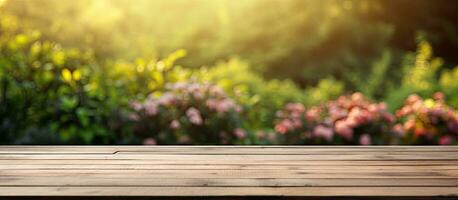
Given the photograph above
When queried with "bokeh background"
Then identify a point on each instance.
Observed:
(228, 72)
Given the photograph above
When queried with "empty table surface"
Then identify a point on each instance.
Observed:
(303, 172)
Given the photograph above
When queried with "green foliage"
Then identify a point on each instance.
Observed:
(66, 93)
(251, 90)
(282, 39)
(43, 87)
(419, 76)
(373, 85)
(326, 90)
(449, 85)
(422, 75)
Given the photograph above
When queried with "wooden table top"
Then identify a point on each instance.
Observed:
(230, 171)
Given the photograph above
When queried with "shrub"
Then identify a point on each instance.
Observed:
(293, 124)
(419, 75)
(449, 85)
(42, 89)
(189, 113)
(326, 89)
(359, 121)
(347, 120)
(258, 95)
(429, 121)
(67, 96)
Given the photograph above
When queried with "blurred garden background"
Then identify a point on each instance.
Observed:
(229, 72)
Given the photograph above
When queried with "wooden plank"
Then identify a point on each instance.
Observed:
(228, 174)
(230, 191)
(91, 166)
(184, 157)
(38, 181)
(222, 149)
(234, 162)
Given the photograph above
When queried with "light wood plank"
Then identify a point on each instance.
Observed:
(197, 158)
(230, 182)
(230, 191)
(219, 150)
(91, 166)
(235, 162)
(230, 174)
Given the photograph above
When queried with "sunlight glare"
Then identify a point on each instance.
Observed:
(2, 2)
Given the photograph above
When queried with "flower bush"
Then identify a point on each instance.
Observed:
(359, 121)
(429, 121)
(347, 120)
(292, 123)
(189, 113)
(43, 98)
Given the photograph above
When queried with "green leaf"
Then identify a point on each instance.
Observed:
(83, 116)
(69, 103)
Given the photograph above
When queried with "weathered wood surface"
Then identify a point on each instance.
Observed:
(230, 171)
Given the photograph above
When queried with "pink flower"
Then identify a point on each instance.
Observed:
(280, 114)
(389, 117)
(239, 133)
(373, 108)
(352, 122)
(446, 140)
(238, 108)
(337, 113)
(167, 99)
(417, 105)
(452, 126)
(137, 106)
(357, 114)
(198, 95)
(177, 86)
(175, 124)
(313, 114)
(194, 116)
(324, 132)
(212, 104)
(296, 123)
(383, 106)
(365, 139)
(222, 105)
(439, 96)
(357, 96)
(398, 129)
(193, 87)
(404, 111)
(409, 125)
(151, 108)
(225, 105)
(281, 128)
(134, 117)
(216, 91)
(149, 141)
(343, 130)
(412, 99)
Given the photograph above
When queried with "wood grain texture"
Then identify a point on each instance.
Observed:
(396, 172)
